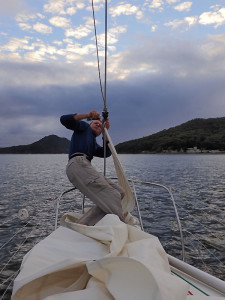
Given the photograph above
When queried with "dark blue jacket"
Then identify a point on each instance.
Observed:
(83, 139)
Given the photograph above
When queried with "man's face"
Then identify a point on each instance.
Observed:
(96, 127)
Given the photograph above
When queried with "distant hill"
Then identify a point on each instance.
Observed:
(205, 134)
(51, 144)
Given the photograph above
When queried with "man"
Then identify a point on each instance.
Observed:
(83, 147)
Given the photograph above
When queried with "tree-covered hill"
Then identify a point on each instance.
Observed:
(205, 134)
(51, 144)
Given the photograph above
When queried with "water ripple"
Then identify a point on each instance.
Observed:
(34, 181)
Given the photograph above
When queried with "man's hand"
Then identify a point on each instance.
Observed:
(107, 124)
(94, 115)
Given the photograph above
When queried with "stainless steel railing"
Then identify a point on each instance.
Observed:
(168, 189)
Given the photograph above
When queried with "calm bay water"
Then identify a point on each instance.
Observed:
(198, 183)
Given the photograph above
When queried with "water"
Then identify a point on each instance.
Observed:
(197, 181)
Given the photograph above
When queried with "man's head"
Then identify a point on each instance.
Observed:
(96, 127)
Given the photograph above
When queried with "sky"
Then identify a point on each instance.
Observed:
(165, 65)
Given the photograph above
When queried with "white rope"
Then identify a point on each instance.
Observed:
(13, 275)
(9, 284)
(211, 253)
(203, 226)
(20, 246)
(14, 236)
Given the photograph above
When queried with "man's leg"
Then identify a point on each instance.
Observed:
(94, 185)
(92, 217)
(117, 187)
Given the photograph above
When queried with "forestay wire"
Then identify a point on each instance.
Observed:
(96, 44)
(105, 111)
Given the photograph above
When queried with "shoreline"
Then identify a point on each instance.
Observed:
(180, 153)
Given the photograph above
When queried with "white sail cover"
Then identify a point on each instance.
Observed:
(111, 260)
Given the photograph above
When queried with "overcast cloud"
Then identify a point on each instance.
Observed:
(166, 65)
(12, 7)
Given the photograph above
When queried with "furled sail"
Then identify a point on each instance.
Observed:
(128, 201)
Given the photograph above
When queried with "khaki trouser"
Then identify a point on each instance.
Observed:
(103, 192)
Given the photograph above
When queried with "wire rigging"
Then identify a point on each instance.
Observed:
(104, 95)
(105, 111)
(105, 108)
(96, 44)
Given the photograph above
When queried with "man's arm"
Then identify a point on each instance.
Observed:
(99, 152)
(71, 121)
(92, 115)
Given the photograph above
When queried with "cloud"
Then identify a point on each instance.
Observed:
(25, 26)
(27, 49)
(156, 82)
(156, 4)
(137, 107)
(181, 58)
(40, 16)
(159, 88)
(185, 6)
(71, 11)
(213, 48)
(63, 7)
(112, 35)
(17, 44)
(55, 7)
(79, 50)
(216, 18)
(28, 129)
(191, 20)
(60, 21)
(38, 75)
(172, 1)
(184, 24)
(97, 6)
(125, 9)
(44, 52)
(58, 43)
(26, 16)
(80, 5)
(10, 56)
(42, 28)
(80, 31)
(25, 20)
(154, 28)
